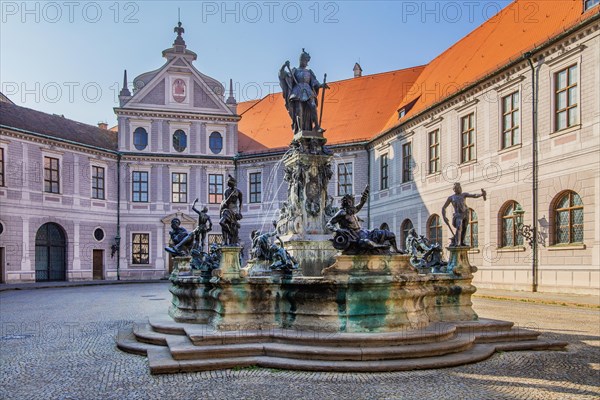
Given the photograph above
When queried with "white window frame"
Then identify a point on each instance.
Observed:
(180, 170)
(149, 247)
(101, 164)
(463, 113)
(222, 129)
(570, 58)
(346, 161)
(58, 155)
(262, 192)
(139, 168)
(140, 123)
(185, 127)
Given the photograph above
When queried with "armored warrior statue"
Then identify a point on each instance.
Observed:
(460, 218)
(204, 225)
(350, 237)
(231, 208)
(300, 90)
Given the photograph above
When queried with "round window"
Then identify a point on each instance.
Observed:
(140, 138)
(179, 140)
(215, 142)
(99, 234)
(1, 228)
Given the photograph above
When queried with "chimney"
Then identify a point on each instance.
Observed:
(102, 125)
(357, 70)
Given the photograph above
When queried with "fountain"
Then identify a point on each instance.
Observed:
(320, 292)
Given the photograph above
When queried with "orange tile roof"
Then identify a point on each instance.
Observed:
(521, 26)
(355, 109)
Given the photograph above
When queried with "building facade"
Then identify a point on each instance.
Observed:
(515, 114)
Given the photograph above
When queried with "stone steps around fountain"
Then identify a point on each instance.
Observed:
(183, 349)
(128, 342)
(160, 362)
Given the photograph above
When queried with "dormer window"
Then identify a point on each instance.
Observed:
(401, 113)
(587, 4)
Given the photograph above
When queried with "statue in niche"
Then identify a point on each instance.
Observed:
(300, 89)
(181, 240)
(351, 238)
(460, 218)
(424, 254)
(231, 207)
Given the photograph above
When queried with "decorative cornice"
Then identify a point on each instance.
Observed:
(164, 114)
(63, 143)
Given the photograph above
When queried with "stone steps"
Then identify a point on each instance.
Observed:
(161, 362)
(177, 347)
(185, 350)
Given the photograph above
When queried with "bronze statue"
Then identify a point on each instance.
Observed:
(351, 238)
(300, 90)
(460, 218)
(202, 228)
(424, 254)
(231, 208)
(180, 238)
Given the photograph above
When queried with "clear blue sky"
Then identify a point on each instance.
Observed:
(68, 57)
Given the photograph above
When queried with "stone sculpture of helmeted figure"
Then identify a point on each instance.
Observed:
(350, 237)
(204, 225)
(231, 208)
(300, 90)
(460, 218)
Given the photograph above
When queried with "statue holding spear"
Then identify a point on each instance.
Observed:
(300, 89)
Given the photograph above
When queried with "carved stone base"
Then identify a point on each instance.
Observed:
(312, 255)
(374, 293)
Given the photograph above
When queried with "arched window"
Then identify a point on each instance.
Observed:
(568, 218)
(472, 235)
(140, 138)
(509, 234)
(434, 229)
(406, 226)
(179, 140)
(215, 142)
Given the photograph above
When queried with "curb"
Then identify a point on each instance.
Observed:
(56, 285)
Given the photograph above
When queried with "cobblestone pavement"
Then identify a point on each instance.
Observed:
(59, 344)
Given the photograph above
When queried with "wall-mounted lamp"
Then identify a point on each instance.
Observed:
(527, 231)
(115, 246)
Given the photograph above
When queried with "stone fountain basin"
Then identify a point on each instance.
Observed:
(381, 293)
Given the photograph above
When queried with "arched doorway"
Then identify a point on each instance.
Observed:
(50, 253)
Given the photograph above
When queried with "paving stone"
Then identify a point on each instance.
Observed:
(60, 344)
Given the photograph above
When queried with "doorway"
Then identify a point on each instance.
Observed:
(97, 264)
(50, 253)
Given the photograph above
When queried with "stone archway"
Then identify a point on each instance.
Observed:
(50, 253)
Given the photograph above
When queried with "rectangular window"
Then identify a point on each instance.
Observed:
(565, 98)
(140, 249)
(2, 183)
(587, 4)
(511, 134)
(178, 187)
(255, 187)
(344, 175)
(51, 175)
(434, 151)
(467, 141)
(383, 181)
(215, 188)
(97, 182)
(407, 163)
(139, 186)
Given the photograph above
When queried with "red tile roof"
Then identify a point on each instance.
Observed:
(21, 118)
(355, 109)
(521, 26)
